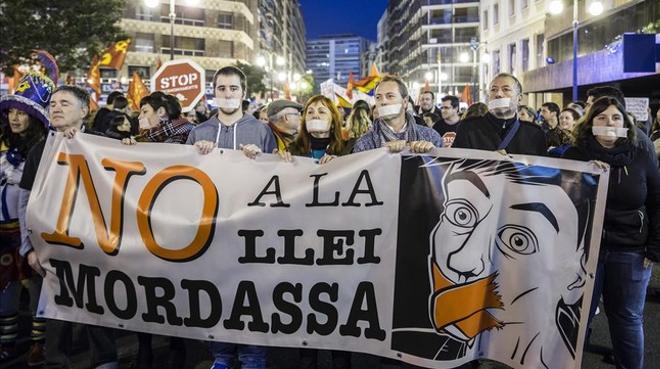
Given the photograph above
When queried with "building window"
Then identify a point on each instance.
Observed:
(496, 62)
(512, 58)
(225, 49)
(540, 39)
(144, 43)
(143, 13)
(226, 20)
(184, 46)
(142, 71)
(525, 54)
(496, 14)
(485, 17)
(525, 4)
(512, 7)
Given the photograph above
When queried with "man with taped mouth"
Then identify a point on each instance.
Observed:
(500, 129)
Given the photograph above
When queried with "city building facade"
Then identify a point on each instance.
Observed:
(336, 57)
(436, 41)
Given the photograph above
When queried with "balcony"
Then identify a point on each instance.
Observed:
(184, 21)
(466, 19)
(177, 51)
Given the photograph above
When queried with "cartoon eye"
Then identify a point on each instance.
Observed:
(518, 239)
(461, 214)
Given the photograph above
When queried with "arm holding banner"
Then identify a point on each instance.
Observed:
(26, 249)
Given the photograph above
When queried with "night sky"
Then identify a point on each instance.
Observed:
(325, 17)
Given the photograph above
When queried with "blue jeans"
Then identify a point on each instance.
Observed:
(251, 357)
(622, 280)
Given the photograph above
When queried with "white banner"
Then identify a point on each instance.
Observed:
(433, 260)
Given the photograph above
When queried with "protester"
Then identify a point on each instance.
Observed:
(500, 128)
(284, 121)
(231, 129)
(631, 228)
(446, 127)
(120, 126)
(561, 137)
(120, 104)
(526, 114)
(477, 109)
(320, 134)
(427, 109)
(100, 123)
(550, 115)
(161, 121)
(655, 131)
(359, 121)
(396, 127)
(24, 124)
(262, 114)
(568, 119)
(69, 105)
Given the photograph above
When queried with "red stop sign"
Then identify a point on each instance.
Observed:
(182, 78)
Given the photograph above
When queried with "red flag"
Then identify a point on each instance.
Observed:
(287, 91)
(466, 95)
(113, 57)
(349, 86)
(94, 82)
(136, 91)
(158, 63)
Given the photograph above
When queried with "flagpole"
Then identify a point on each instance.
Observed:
(172, 18)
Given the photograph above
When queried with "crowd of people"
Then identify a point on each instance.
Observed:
(599, 130)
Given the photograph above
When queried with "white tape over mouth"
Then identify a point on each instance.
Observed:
(228, 103)
(610, 131)
(504, 102)
(389, 110)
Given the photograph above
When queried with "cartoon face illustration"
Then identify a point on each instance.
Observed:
(501, 234)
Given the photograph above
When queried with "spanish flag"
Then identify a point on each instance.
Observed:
(136, 91)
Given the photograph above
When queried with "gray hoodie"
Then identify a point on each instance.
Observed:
(248, 130)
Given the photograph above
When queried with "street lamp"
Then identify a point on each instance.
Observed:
(556, 7)
(428, 76)
(172, 15)
(280, 61)
(464, 57)
(281, 76)
(261, 61)
(296, 77)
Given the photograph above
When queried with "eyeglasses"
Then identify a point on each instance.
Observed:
(296, 114)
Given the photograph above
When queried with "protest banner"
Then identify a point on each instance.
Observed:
(435, 260)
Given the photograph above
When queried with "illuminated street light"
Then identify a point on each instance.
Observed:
(485, 58)
(596, 8)
(280, 61)
(281, 76)
(261, 61)
(556, 7)
(443, 76)
(152, 3)
(293, 85)
(464, 57)
(296, 77)
(428, 76)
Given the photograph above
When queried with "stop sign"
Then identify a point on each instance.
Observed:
(182, 78)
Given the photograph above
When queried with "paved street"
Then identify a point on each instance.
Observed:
(198, 357)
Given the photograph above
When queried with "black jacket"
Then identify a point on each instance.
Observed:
(486, 133)
(632, 210)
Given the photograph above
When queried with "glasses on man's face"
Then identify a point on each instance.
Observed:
(296, 114)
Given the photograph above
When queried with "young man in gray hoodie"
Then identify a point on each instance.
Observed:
(231, 129)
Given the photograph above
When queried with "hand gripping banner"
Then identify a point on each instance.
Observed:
(435, 260)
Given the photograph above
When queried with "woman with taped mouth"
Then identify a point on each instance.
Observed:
(631, 228)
